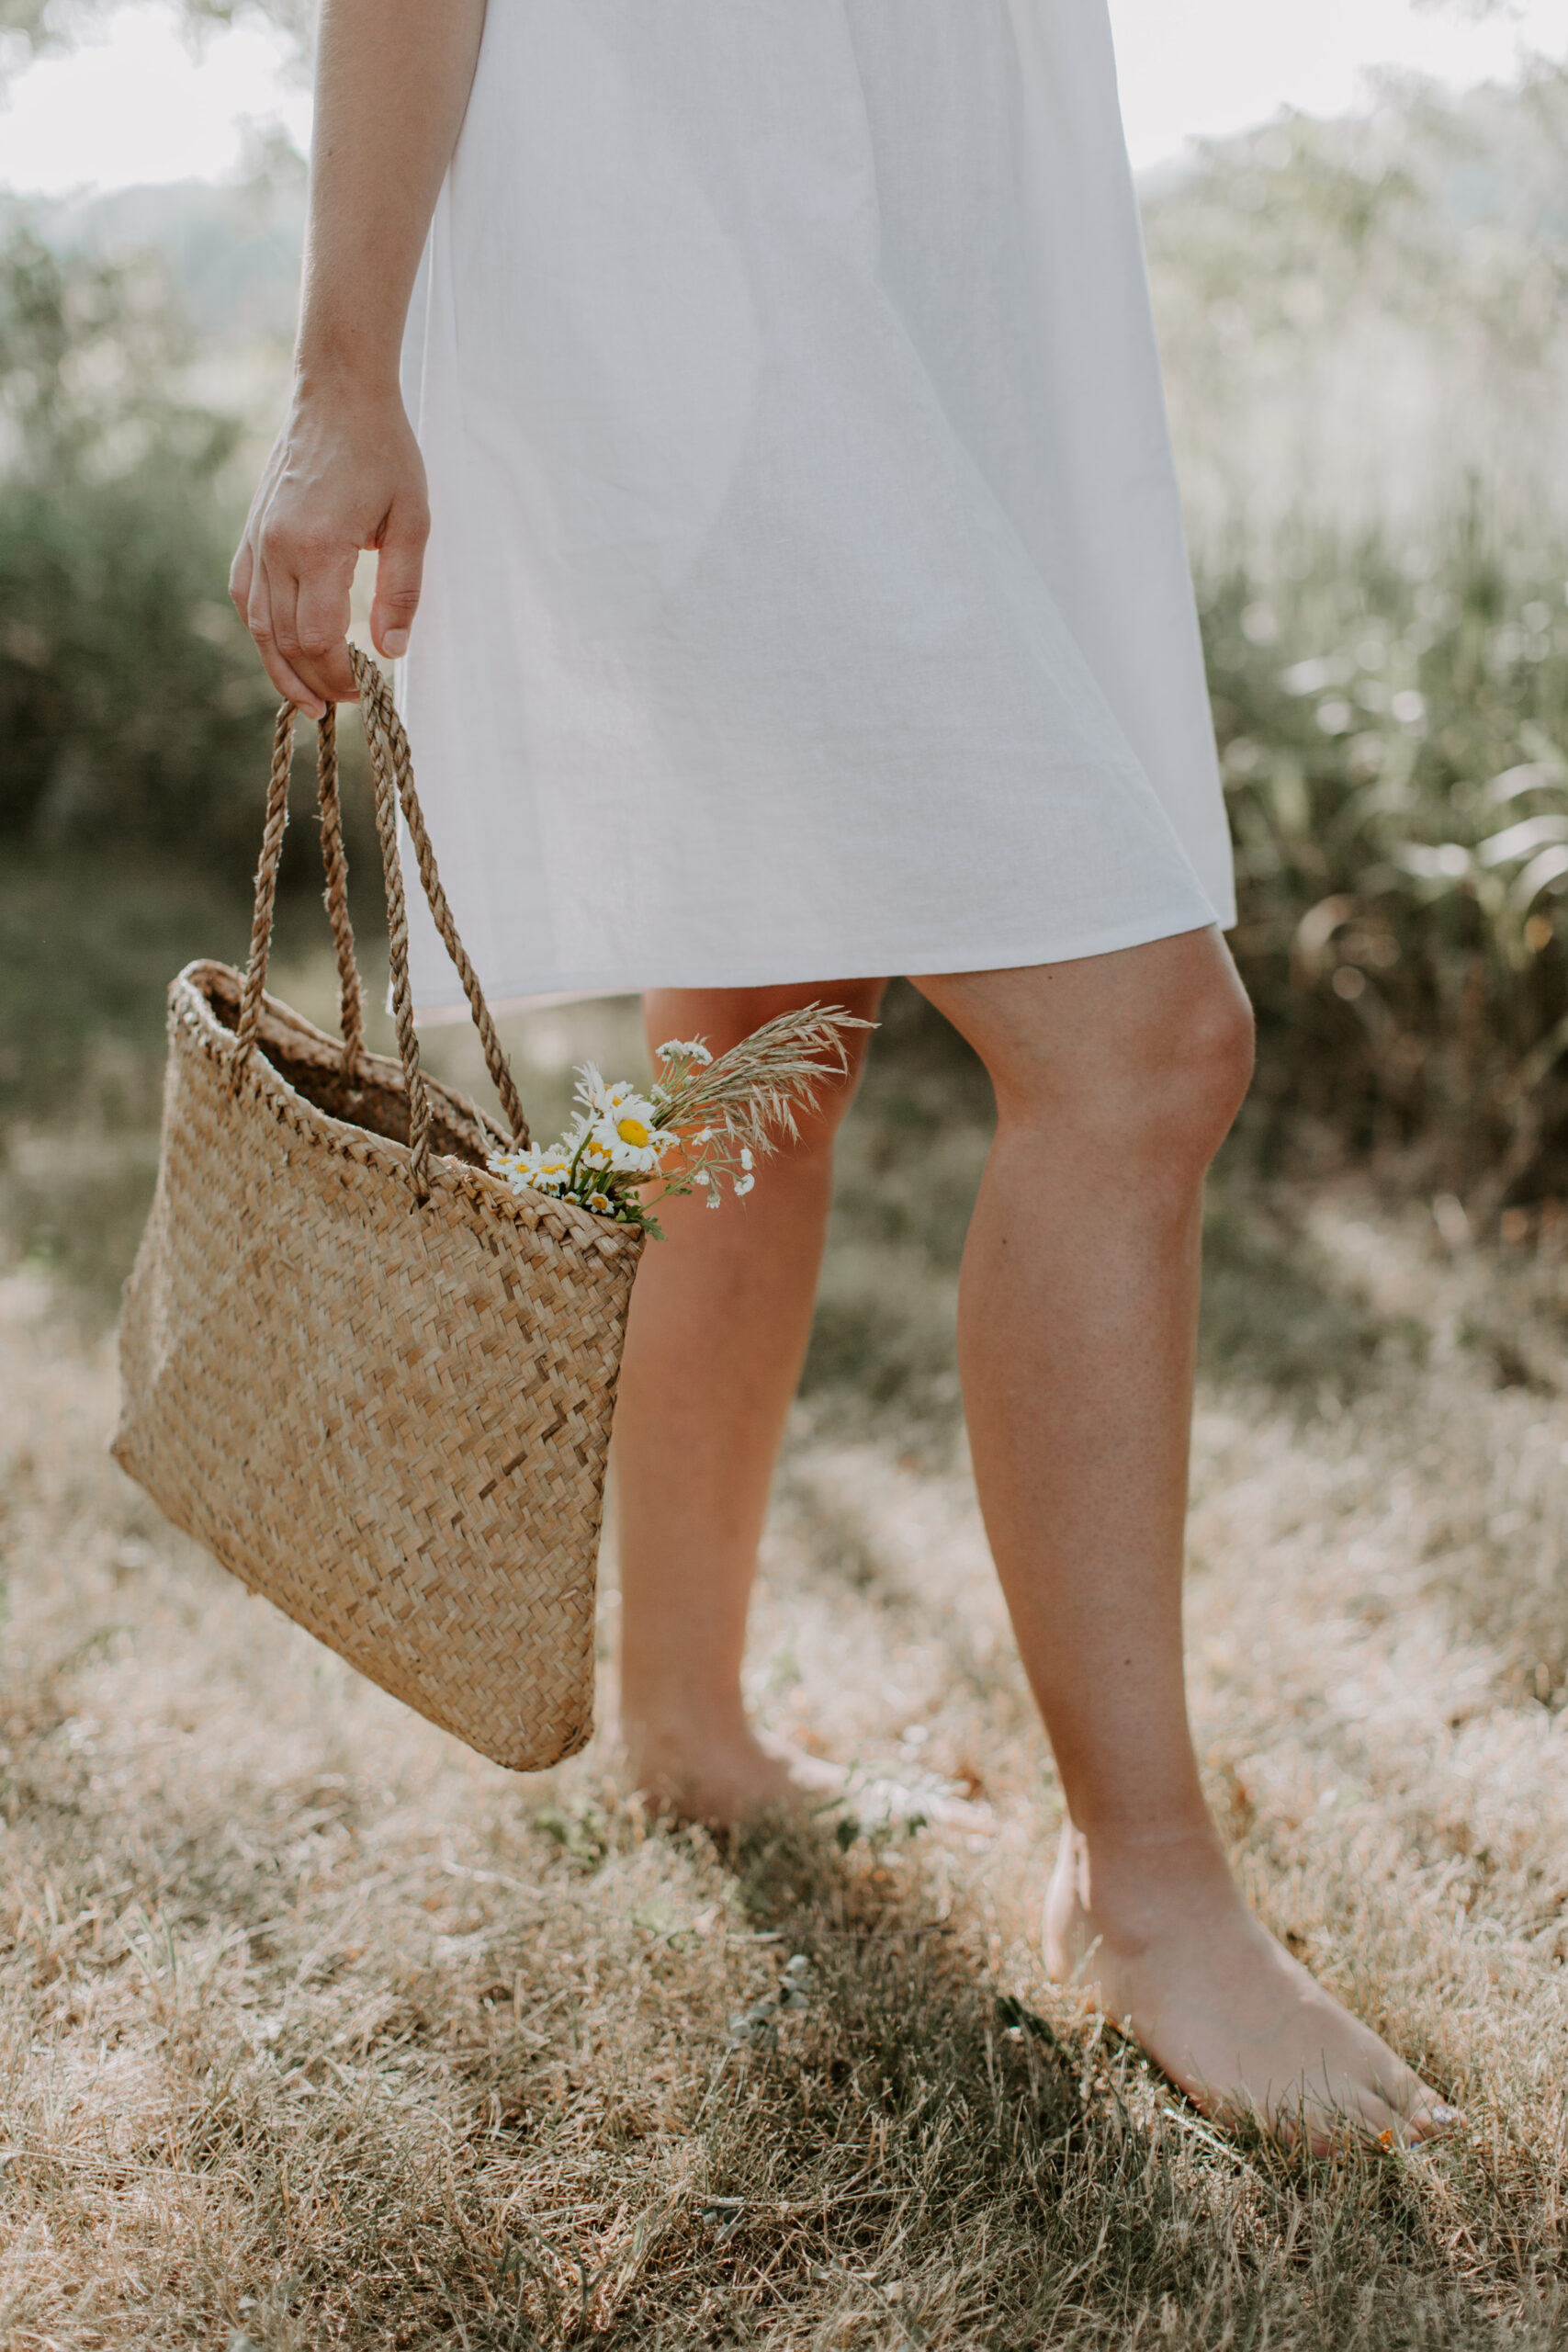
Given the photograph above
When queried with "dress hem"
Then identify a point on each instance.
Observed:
(438, 1011)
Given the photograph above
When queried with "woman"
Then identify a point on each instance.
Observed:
(806, 602)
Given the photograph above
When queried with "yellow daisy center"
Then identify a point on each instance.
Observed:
(632, 1131)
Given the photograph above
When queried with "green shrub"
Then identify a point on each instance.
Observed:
(1395, 730)
(133, 712)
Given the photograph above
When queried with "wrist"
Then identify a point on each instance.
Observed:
(351, 376)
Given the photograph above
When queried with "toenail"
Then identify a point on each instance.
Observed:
(1445, 2114)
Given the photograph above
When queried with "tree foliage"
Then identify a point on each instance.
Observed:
(30, 28)
(1355, 314)
(132, 708)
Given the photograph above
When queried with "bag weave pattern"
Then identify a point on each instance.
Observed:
(387, 1413)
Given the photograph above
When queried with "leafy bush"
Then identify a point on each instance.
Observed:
(1394, 729)
(1356, 317)
(133, 712)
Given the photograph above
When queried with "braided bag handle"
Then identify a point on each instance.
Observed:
(350, 994)
(391, 767)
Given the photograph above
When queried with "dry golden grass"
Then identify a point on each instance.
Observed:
(317, 2031)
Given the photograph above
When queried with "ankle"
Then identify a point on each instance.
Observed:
(1127, 1879)
(662, 1724)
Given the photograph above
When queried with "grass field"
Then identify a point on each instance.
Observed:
(316, 2030)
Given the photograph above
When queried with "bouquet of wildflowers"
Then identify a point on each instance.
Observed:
(702, 1123)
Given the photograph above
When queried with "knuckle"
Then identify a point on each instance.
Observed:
(285, 547)
(407, 532)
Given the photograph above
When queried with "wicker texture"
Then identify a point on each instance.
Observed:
(372, 1380)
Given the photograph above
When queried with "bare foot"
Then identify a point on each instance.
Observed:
(728, 1779)
(1165, 1944)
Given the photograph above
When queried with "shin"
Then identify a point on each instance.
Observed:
(719, 1323)
(1116, 1079)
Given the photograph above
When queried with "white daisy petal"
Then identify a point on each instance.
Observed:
(540, 1167)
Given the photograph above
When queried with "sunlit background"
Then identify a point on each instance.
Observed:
(1357, 220)
(226, 2124)
(139, 100)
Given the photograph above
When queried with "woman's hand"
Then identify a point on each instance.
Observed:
(392, 80)
(345, 473)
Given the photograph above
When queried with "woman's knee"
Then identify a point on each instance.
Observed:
(1142, 1058)
(1187, 1066)
(1173, 1093)
(1207, 1068)
(1164, 1105)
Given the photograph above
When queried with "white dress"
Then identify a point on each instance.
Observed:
(807, 596)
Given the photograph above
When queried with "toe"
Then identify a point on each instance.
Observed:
(1390, 2126)
(1348, 2113)
(1430, 2118)
(1419, 2113)
(1404, 2120)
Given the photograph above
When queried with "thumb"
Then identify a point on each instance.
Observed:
(398, 570)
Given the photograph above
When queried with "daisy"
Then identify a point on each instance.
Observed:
(634, 1145)
(541, 1168)
(630, 1131)
(593, 1094)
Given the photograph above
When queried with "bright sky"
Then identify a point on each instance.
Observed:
(138, 106)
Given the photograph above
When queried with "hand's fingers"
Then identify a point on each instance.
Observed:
(321, 624)
(283, 595)
(240, 575)
(258, 620)
(399, 572)
(308, 584)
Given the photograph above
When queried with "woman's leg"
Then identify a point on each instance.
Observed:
(1116, 1077)
(721, 1318)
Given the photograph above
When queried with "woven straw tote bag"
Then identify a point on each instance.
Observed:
(375, 1382)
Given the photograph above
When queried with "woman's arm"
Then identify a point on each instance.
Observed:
(392, 80)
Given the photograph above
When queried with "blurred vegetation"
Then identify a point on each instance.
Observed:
(1355, 315)
(133, 714)
(1393, 723)
(1365, 334)
(30, 28)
